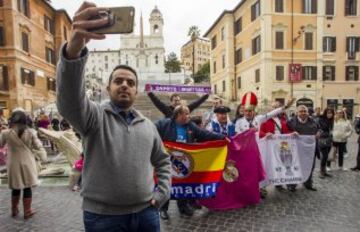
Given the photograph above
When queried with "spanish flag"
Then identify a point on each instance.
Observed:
(196, 168)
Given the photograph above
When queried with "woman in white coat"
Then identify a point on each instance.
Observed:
(21, 166)
(341, 132)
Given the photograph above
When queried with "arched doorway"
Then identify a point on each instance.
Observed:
(305, 101)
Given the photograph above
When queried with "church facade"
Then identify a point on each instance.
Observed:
(146, 53)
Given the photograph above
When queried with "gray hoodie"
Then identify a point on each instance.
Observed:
(119, 163)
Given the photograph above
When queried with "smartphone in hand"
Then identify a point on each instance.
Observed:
(121, 21)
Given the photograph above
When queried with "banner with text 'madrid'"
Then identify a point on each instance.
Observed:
(196, 168)
(287, 159)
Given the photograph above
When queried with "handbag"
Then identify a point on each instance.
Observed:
(325, 142)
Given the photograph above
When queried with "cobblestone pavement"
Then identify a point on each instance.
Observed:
(334, 207)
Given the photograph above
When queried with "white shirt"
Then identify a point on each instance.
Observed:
(243, 124)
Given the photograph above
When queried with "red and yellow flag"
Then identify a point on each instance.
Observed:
(196, 168)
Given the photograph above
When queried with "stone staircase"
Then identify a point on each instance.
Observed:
(146, 107)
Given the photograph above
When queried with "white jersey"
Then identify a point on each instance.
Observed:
(243, 124)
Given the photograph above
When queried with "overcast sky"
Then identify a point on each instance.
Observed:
(178, 16)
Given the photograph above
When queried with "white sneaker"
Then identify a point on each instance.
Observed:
(328, 169)
(343, 169)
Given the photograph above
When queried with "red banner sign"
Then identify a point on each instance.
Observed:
(295, 72)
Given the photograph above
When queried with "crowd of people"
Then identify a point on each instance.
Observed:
(123, 149)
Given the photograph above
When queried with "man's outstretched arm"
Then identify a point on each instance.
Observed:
(195, 104)
(72, 102)
(165, 109)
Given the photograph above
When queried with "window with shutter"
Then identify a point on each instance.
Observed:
(214, 66)
(255, 10)
(23, 76)
(65, 34)
(256, 45)
(213, 42)
(257, 75)
(280, 73)
(309, 73)
(279, 6)
(238, 56)
(329, 73)
(23, 7)
(49, 24)
(223, 86)
(308, 41)
(4, 78)
(279, 40)
(352, 73)
(352, 46)
(329, 7)
(313, 73)
(223, 61)
(215, 89)
(239, 82)
(48, 83)
(32, 78)
(350, 7)
(329, 44)
(309, 6)
(238, 26)
(2, 36)
(222, 34)
(25, 41)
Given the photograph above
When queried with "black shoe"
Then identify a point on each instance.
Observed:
(327, 175)
(292, 188)
(164, 215)
(195, 205)
(280, 188)
(187, 211)
(311, 188)
(355, 169)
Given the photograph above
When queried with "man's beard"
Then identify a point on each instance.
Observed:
(123, 103)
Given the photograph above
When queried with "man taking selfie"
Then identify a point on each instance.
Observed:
(122, 148)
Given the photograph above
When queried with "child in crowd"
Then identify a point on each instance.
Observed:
(79, 166)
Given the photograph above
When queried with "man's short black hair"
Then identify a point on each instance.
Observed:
(126, 67)
(173, 96)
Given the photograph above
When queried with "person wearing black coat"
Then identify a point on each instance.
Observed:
(326, 124)
(179, 129)
(357, 130)
(303, 124)
(175, 100)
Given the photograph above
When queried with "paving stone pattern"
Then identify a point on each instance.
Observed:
(335, 207)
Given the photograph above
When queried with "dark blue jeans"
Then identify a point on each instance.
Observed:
(146, 220)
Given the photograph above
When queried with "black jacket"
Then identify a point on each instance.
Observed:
(168, 111)
(308, 128)
(325, 127)
(167, 130)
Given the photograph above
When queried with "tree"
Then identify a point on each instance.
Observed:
(203, 75)
(172, 64)
(194, 32)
